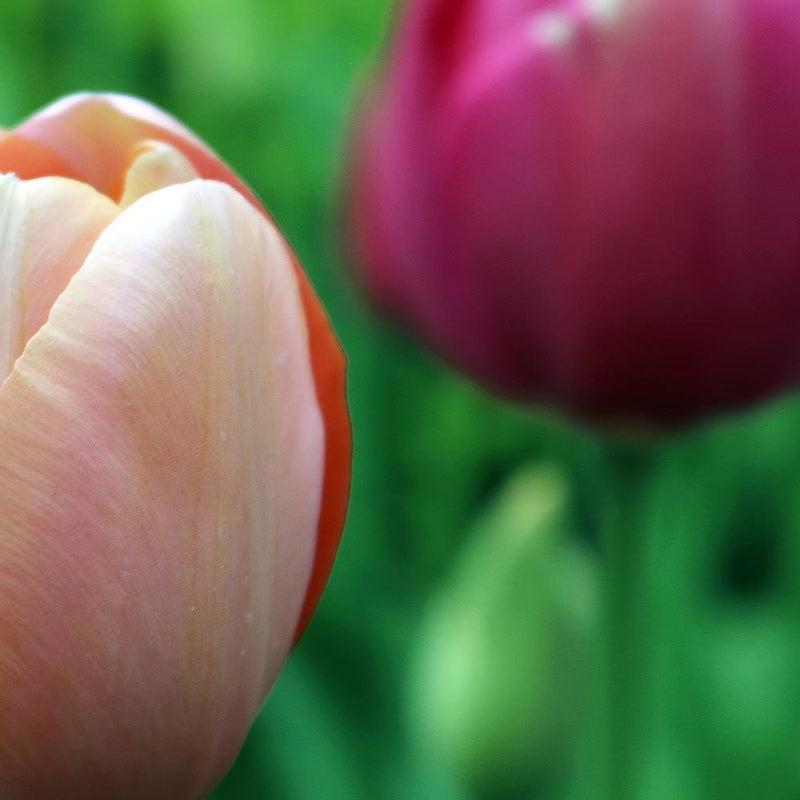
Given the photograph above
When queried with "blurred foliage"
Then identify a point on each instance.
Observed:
(271, 84)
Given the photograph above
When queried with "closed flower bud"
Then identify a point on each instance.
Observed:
(497, 682)
(592, 204)
(174, 460)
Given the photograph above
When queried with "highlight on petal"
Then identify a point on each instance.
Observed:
(47, 227)
(160, 483)
(154, 166)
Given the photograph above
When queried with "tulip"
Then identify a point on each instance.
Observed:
(175, 455)
(500, 660)
(593, 204)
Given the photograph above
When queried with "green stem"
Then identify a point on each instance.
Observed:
(633, 612)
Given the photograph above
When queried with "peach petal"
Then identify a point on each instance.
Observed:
(47, 227)
(154, 166)
(328, 364)
(95, 133)
(30, 159)
(160, 480)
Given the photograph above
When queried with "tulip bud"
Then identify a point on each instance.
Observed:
(592, 204)
(174, 460)
(496, 689)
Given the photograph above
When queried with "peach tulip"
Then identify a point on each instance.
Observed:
(175, 455)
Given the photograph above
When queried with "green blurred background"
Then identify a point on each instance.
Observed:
(452, 654)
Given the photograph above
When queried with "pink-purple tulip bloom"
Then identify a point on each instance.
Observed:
(174, 461)
(591, 204)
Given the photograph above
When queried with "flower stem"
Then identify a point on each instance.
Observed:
(635, 608)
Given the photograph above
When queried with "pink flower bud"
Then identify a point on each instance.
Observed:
(175, 455)
(594, 204)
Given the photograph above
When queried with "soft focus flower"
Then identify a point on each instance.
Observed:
(174, 455)
(500, 663)
(593, 203)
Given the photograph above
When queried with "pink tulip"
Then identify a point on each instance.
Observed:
(592, 203)
(175, 455)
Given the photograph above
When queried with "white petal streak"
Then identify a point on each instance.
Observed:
(12, 248)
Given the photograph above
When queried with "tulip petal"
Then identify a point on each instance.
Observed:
(98, 134)
(160, 481)
(47, 227)
(328, 365)
(95, 135)
(154, 166)
(30, 159)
